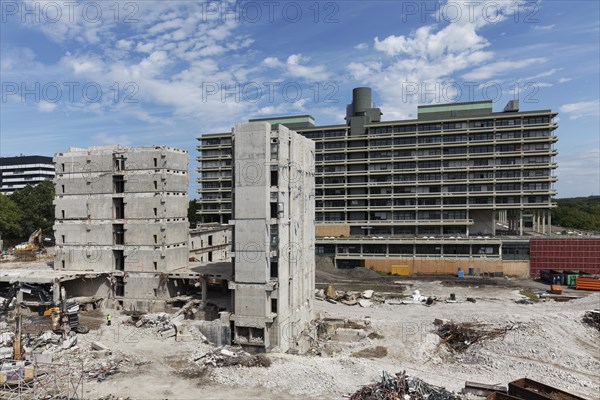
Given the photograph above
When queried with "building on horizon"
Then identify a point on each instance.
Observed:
(453, 187)
(18, 172)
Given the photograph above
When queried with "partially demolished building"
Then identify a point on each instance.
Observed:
(273, 211)
(122, 211)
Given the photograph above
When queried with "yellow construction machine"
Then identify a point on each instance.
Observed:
(29, 248)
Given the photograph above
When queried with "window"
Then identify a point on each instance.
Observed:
(156, 162)
(118, 208)
(156, 212)
(118, 234)
(155, 185)
(119, 164)
(274, 306)
(118, 184)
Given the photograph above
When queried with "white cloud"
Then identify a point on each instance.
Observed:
(543, 74)
(563, 80)
(294, 67)
(45, 106)
(581, 109)
(429, 59)
(499, 68)
(361, 46)
(543, 27)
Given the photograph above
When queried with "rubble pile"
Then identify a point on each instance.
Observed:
(457, 337)
(99, 371)
(401, 386)
(364, 299)
(159, 320)
(227, 356)
(592, 318)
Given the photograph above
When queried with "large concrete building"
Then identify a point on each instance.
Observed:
(274, 262)
(457, 182)
(122, 210)
(18, 172)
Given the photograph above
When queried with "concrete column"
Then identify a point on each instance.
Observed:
(521, 222)
(550, 222)
(56, 293)
(204, 290)
(544, 223)
(534, 221)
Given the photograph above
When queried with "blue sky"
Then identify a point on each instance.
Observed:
(148, 72)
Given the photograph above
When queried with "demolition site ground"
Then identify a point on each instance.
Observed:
(504, 336)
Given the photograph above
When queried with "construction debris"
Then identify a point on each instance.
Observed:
(401, 386)
(227, 356)
(104, 369)
(457, 337)
(364, 299)
(592, 318)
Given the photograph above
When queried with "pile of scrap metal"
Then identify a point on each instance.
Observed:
(520, 389)
(457, 337)
(364, 299)
(592, 318)
(401, 386)
(227, 356)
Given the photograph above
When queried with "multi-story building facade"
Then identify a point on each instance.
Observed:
(274, 236)
(210, 243)
(123, 211)
(449, 182)
(18, 172)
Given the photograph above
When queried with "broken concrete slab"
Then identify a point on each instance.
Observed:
(367, 294)
(365, 303)
(349, 335)
(99, 346)
(168, 333)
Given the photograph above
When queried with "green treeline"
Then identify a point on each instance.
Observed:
(578, 213)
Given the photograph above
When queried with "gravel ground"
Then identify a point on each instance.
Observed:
(549, 343)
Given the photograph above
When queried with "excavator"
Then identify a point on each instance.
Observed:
(28, 249)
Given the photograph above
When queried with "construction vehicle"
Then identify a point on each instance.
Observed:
(65, 314)
(28, 249)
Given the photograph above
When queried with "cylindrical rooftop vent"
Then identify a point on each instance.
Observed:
(361, 99)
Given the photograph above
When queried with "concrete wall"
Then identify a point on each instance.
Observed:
(136, 258)
(154, 202)
(209, 243)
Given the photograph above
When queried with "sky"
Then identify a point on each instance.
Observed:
(137, 73)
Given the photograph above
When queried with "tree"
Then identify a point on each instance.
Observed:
(193, 216)
(36, 206)
(10, 220)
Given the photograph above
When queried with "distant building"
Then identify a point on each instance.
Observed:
(18, 172)
(451, 188)
(274, 236)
